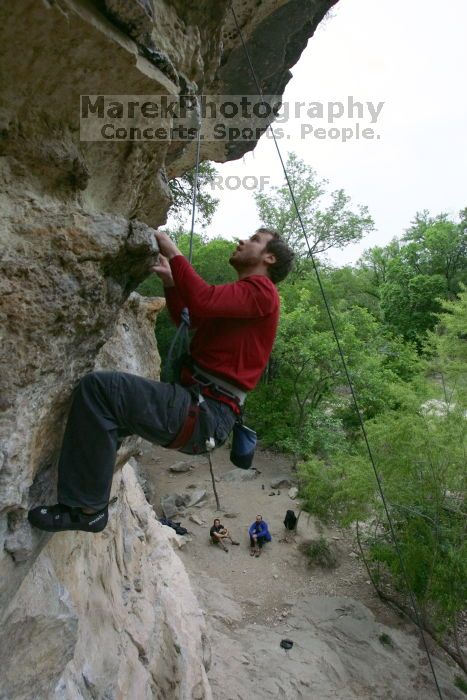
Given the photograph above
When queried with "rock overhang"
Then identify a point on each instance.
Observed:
(78, 217)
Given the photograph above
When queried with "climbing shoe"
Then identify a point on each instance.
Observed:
(59, 517)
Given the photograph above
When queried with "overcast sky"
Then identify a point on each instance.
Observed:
(409, 54)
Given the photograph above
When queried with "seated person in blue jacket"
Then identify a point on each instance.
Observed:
(259, 534)
(219, 533)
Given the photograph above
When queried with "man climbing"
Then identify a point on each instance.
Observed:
(219, 533)
(259, 534)
(235, 326)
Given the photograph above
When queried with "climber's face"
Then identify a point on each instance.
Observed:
(251, 252)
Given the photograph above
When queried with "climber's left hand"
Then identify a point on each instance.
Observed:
(166, 245)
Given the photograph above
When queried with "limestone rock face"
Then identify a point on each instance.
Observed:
(111, 615)
(76, 239)
(61, 304)
(133, 346)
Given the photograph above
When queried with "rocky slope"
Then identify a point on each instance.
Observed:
(76, 239)
(347, 644)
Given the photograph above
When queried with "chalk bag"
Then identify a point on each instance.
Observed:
(243, 446)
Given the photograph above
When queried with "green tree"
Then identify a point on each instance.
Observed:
(419, 447)
(421, 460)
(438, 246)
(447, 350)
(410, 301)
(412, 276)
(375, 262)
(328, 219)
(181, 189)
(303, 406)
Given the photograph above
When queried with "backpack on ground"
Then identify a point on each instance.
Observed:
(290, 520)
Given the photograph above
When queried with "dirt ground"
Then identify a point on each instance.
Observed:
(262, 595)
(241, 501)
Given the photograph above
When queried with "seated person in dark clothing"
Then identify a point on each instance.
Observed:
(219, 533)
(259, 534)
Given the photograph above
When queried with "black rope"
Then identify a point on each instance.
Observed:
(346, 371)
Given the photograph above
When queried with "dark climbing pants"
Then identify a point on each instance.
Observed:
(108, 406)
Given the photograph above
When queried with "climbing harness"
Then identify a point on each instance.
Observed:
(186, 431)
(207, 380)
(346, 370)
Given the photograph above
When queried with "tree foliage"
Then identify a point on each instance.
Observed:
(181, 189)
(420, 454)
(412, 276)
(328, 219)
(310, 407)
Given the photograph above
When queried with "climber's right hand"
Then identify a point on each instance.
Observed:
(163, 271)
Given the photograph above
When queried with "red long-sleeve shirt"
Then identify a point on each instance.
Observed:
(235, 323)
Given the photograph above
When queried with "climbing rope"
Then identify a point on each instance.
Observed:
(346, 370)
(195, 195)
(181, 341)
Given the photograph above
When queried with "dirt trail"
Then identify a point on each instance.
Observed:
(333, 616)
